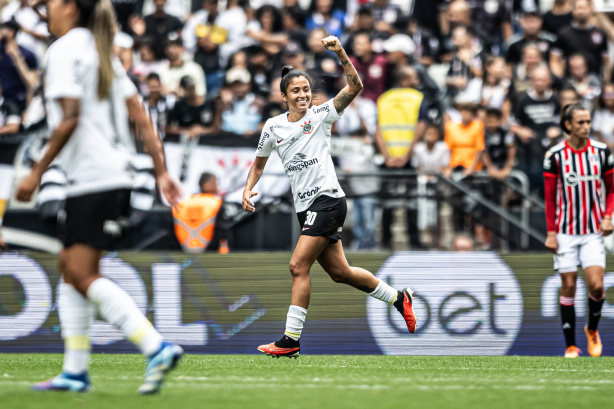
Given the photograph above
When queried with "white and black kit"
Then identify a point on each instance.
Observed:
(96, 158)
(303, 147)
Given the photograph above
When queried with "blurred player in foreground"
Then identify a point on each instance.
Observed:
(577, 218)
(300, 138)
(90, 99)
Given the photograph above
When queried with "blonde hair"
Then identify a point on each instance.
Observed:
(102, 26)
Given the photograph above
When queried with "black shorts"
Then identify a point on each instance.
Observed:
(324, 217)
(97, 219)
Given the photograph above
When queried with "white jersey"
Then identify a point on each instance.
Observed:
(96, 157)
(303, 147)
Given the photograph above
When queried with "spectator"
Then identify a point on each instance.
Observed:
(260, 68)
(275, 104)
(364, 22)
(122, 48)
(531, 23)
(241, 110)
(559, 17)
(400, 50)
(431, 156)
(535, 124)
(323, 15)
(426, 43)
(521, 73)
(568, 95)
(494, 19)
(18, 65)
(124, 10)
(586, 84)
(10, 117)
(208, 186)
(157, 26)
(495, 88)
(294, 25)
(459, 14)
(465, 65)
(203, 37)
(603, 120)
(583, 38)
(465, 139)
(371, 67)
(147, 65)
(358, 123)
(177, 68)
(32, 33)
(430, 14)
(500, 151)
(387, 17)
(320, 64)
(234, 21)
(402, 114)
(157, 103)
(268, 30)
(192, 115)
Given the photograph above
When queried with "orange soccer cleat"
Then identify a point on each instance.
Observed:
(593, 342)
(572, 352)
(404, 304)
(286, 346)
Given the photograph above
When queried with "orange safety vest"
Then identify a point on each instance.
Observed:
(195, 221)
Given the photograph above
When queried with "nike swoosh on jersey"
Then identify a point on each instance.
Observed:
(280, 140)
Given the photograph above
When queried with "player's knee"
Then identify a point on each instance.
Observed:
(297, 269)
(568, 289)
(596, 291)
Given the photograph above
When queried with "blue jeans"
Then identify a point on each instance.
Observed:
(364, 222)
(214, 81)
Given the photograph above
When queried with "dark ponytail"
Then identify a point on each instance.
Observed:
(288, 73)
(567, 114)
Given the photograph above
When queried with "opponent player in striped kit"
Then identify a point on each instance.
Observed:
(577, 218)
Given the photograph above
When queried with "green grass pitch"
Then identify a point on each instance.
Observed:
(336, 382)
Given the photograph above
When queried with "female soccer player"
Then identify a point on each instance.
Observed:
(577, 219)
(90, 100)
(300, 138)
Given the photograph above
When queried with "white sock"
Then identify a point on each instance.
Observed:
(118, 309)
(75, 317)
(294, 322)
(384, 292)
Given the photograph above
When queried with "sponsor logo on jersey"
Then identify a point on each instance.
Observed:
(265, 136)
(572, 178)
(300, 162)
(321, 109)
(309, 193)
(307, 127)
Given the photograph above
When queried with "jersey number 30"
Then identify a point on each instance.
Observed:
(311, 217)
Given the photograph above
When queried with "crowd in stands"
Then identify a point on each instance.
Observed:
(208, 67)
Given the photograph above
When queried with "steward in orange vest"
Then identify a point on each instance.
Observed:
(199, 219)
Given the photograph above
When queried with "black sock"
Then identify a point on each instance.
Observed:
(287, 342)
(568, 320)
(398, 304)
(594, 312)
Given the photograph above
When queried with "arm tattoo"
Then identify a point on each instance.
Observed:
(342, 100)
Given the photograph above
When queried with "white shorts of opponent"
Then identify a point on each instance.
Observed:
(574, 251)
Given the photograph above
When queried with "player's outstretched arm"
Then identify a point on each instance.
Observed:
(349, 92)
(252, 178)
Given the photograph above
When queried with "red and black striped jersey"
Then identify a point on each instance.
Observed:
(579, 177)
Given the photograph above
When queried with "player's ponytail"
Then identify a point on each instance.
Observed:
(102, 24)
(567, 115)
(288, 73)
(99, 17)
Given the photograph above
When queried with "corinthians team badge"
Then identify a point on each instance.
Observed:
(307, 128)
